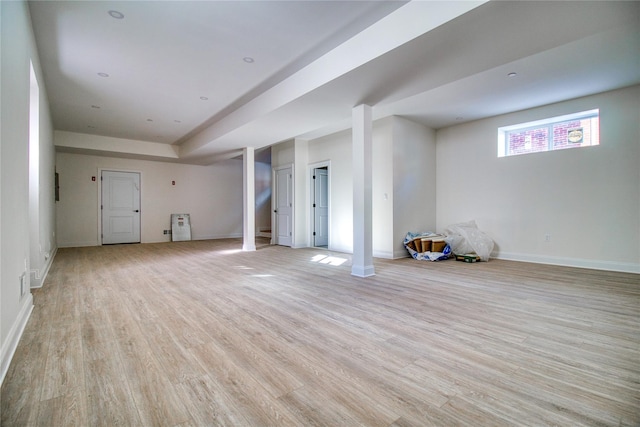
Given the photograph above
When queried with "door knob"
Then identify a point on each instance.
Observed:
(137, 210)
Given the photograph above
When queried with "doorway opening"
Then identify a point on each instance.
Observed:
(320, 180)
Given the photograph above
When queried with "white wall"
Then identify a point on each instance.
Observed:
(282, 154)
(586, 199)
(403, 184)
(295, 153)
(211, 194)
(15, 143)
(42, 203)
(382, 188)
(17, 50)
(414, 181)
(337, 149)
(3, 364)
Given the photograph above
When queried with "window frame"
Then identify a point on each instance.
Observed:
(548, 123)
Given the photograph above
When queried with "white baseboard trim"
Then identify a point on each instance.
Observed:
(167, 239)
(341, 250)
(623, 267)
(401, 254)
(10, 345)
(363, 271)
(38, 278)
(77, 244)
(219, 236)
(383, 254)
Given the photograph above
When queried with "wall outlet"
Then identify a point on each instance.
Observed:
(23, 284)
(547, 237)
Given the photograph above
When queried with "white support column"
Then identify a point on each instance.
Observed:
(248, 200)
(362, 129)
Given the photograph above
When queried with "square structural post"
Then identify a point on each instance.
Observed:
(362, 129)
(248, 200)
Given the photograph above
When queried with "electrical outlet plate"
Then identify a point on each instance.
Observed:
(23, 284)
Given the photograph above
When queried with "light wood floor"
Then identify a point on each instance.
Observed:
(201, 334)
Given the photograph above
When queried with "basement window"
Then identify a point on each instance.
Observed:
(555, 133)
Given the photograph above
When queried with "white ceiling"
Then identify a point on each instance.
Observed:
(438, 63)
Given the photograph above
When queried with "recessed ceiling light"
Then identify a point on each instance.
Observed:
(204, 98)
(115, 14)
(248, 60)
(103, 74)
(512, 74)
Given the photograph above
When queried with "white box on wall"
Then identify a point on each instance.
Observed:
(180, 227)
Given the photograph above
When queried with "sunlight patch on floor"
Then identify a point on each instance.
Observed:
(327, 259)
(229, 251)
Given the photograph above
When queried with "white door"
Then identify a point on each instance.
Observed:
(284, 207)
(120, 207)
(321, 207)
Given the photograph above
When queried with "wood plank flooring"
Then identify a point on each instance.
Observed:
(202, 334)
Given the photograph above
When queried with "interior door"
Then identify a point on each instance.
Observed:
(321, 207)
(284, 207)
(120, 207)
